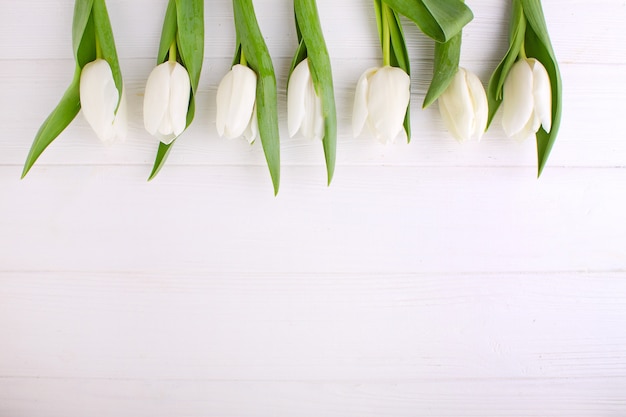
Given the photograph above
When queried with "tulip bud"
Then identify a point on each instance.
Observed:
(166, 101)
(526, 99)
(236, 108)
(304, 106)
(99, 99)
(381, 99)
(463, 106)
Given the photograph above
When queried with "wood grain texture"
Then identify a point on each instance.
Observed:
(430, 279)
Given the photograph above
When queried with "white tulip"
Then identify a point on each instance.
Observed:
(304, 107)
(381, 99)
(99, 98)
(527, 99)
(463, 106)
(236, 104)
(166, 101)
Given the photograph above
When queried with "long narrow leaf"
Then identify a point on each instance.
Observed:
(82, 14)
(162, 154)
(168, 33)
(399, 58)
(190, 17)
(445, 67)
(259, 60)
(451, 15)
(86, 47)
(496, 82)
(59, 119)
(439, 19)
(310, 28)
(104, 34)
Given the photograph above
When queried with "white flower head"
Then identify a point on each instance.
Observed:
(463, 106)
(526, 100)
(381, 99)
(236, 104)
(166, 101)
(99, 100)
(304, 106)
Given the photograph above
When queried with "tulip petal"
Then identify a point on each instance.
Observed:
(252, 130)
(296, 96)
(387, 101)
(180, 91)
(518, 101)
(456, 107)
(156, 98)
(99, 98)
(224, 93)
(313, 123)
(542, 94)
(120, 124)
(242, 100)
(480, 104)
(318, 117)
(360, 112)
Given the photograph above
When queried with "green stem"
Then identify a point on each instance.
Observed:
(242, 59)
(172, 57)
(98, 49)
(522, 51)
(386, 36)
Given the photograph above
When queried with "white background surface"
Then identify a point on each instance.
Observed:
(430, 279)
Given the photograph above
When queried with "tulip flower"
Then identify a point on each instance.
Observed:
(304, 106)
(236, 104)
(99, 100)
(463, 106)
(311, 108)
(526, 100)
(96, 87)
(527, 82)
(166, 101)
(170, 98)
(381, 100)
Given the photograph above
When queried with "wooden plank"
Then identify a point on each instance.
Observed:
(163, 398)
(372, 219)
(43, 29)
(156, 343)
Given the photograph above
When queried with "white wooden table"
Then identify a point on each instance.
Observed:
(430, 279)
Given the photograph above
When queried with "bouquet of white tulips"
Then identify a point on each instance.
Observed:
(97, 85)
(169, 101)
(247, 102)
(528, 82)
(310, 94)
(382, 98)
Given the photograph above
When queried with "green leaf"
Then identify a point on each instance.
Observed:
(82, 14)
(59, 119)
(496, 82)
(310, 29)
(300, 55)
(104, 35)
(190, 17)
(537, 45)
(162, 154)
(446, 65)
(439, 19)
(86, 48)
(259, 60)
(399, 57)
(168, 33)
